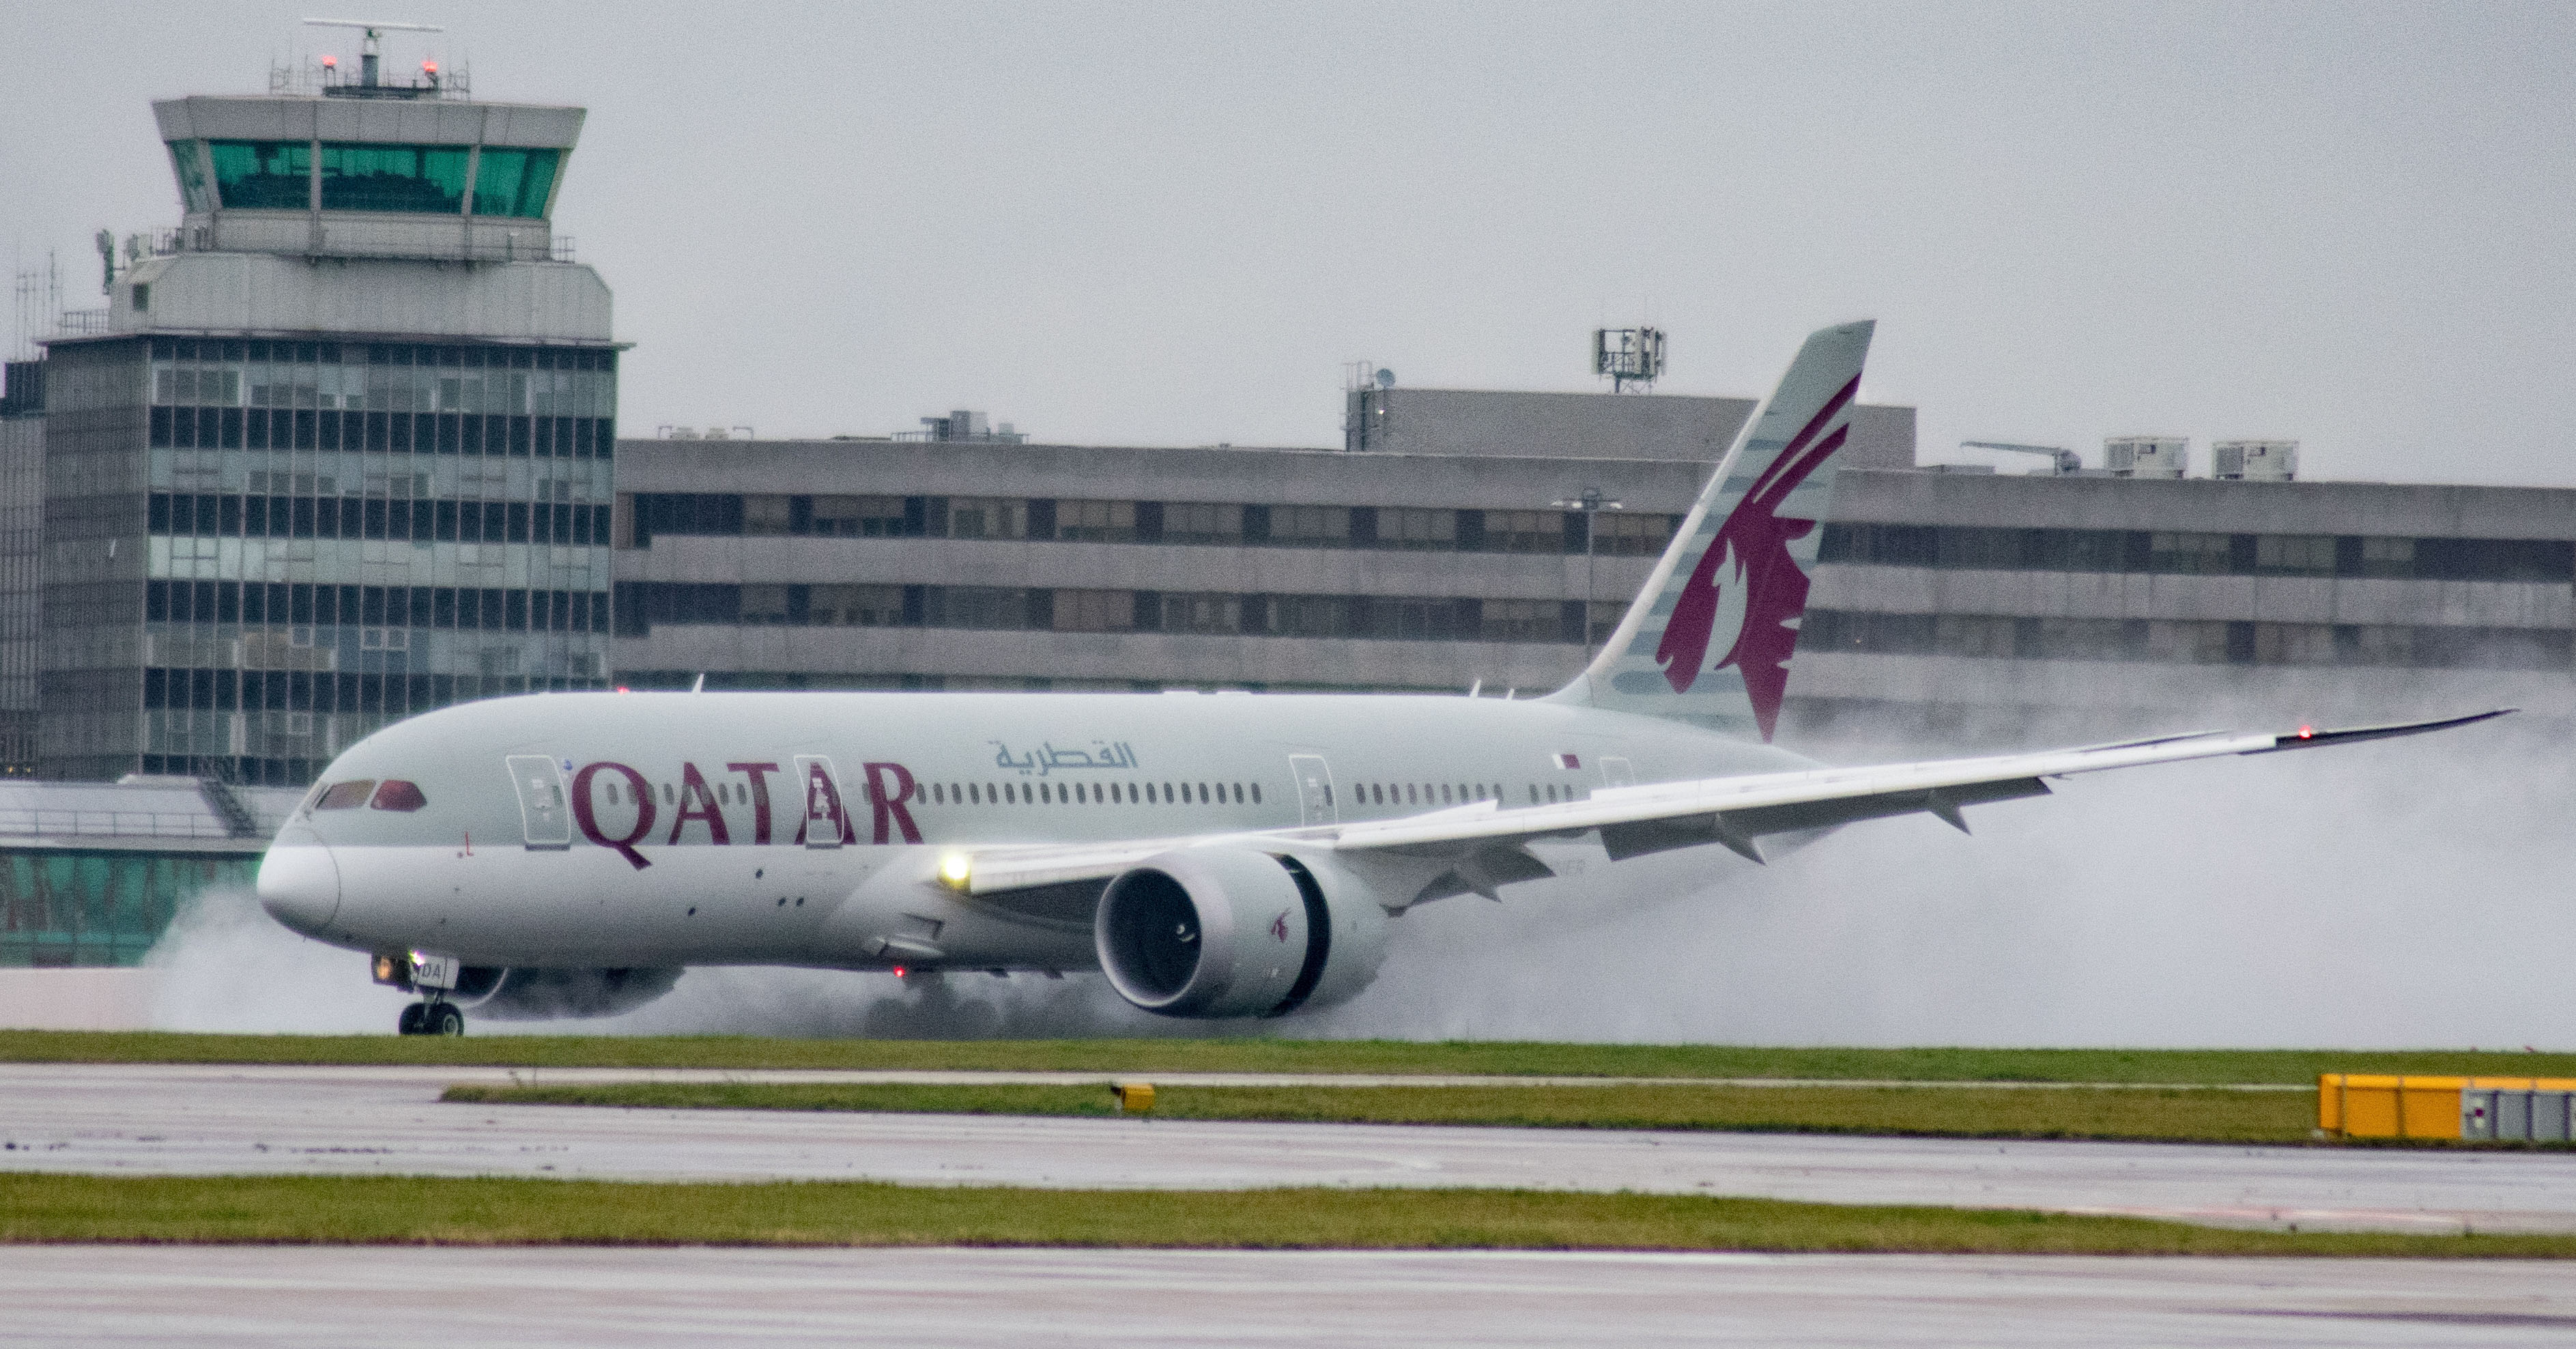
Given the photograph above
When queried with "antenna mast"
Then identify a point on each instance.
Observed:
(1626, 356)
(372, 48)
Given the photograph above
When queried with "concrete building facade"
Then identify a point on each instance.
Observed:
(1523, 424)
(1947, 606)
(905, 564)
(340, 447)
(2002, 607)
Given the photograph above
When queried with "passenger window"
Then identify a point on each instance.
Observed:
(1256, 793)
(398, 795)
(346, 795)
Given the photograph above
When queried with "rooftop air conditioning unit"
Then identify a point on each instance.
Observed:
(2146, 456)
(2255, 460)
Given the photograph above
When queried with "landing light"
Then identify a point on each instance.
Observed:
(956, 871)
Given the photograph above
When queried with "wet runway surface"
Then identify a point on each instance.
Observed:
(164, 1119)
(643, 1297)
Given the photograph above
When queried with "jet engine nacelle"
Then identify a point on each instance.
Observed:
(519, 993)
(1218, 932)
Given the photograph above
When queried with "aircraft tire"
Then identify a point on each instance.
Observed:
(443, 1019)
(409, 1022)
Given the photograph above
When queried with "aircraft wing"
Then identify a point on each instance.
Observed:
(1476, 847)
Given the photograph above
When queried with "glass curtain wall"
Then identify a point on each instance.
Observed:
(511, 182)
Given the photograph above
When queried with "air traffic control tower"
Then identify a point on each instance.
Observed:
(339, 448)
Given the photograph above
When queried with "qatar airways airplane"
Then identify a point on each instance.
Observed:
(1212, 855)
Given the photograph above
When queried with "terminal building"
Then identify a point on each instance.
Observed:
(905, 564)
(1953, 608)
(1949, 607)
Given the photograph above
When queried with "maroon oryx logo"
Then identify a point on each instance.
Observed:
(1775, 590)
(1279, 927)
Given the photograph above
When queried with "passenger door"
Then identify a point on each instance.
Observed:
(1615, 772)
(826, 813)
(542, 804)
(1314, 788)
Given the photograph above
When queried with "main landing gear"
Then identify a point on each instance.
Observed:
(431, 1018)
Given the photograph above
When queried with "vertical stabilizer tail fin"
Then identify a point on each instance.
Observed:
(1709, 638)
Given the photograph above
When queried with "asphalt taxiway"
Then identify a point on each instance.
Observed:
(638, 1298)
(183, 1119)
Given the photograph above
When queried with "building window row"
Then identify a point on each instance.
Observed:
(513, 182)
(641, 605)
(327, 693)
(383, 377)
(2203, 554)
(2188, 642)
(475, 356)
(231, 515)
(214, 428)
(299, 605)
(725, 514)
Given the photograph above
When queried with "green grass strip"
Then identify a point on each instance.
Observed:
(1978, 1112)
(1239, 1054)
(400, 1210)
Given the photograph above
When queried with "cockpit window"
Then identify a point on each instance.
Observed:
(396, 794)
(345, 795)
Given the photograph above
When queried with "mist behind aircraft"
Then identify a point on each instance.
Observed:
(2407, 894)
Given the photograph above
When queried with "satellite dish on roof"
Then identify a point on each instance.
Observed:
(1385, 378)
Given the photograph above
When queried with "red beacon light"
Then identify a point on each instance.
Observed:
(2307, 733)
(429, 67)
(330, 63)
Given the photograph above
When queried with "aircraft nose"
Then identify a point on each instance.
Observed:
(299, 882)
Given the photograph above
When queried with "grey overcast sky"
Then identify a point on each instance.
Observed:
(1173, 223)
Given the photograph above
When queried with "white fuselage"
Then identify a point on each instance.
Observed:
(612, 830)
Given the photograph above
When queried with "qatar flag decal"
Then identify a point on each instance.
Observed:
(1569, 761)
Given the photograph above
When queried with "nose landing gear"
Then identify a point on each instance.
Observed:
(431, 1018)
(431, 976)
